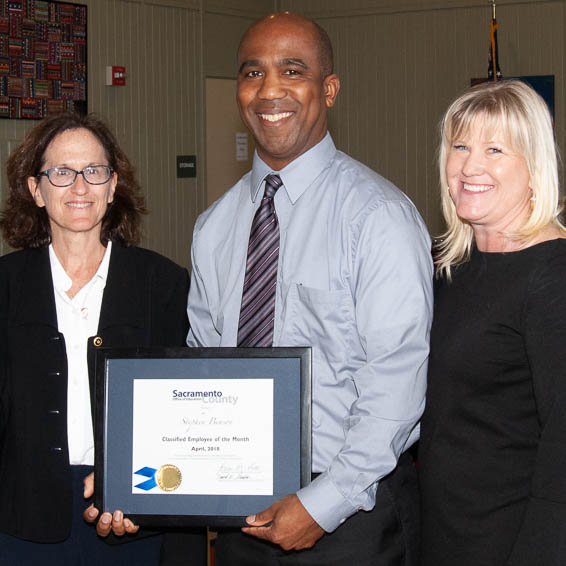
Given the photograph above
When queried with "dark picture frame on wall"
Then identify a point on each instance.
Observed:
(43, 58)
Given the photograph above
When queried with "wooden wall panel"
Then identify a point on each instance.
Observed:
(157, 115)
(341, 8)
(402, 63)
(223, 33)
(10, 132)
(247, 8)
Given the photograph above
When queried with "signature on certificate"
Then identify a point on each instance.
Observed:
(240, 472)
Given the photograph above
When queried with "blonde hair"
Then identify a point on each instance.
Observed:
(522, 116)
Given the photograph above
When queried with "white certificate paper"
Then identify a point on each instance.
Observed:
(216, 434)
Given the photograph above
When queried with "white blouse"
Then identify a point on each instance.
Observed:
(77, 320)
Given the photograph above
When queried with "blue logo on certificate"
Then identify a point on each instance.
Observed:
(148, 473)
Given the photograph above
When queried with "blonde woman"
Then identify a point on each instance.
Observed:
(493, 447)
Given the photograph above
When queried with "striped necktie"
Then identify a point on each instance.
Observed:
(258, 297)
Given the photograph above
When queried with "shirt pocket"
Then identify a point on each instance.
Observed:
(323, 319)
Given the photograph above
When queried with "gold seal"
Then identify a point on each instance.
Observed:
(168, 477)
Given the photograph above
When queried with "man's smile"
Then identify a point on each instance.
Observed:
(275, 117)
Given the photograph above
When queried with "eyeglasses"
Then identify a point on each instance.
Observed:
(64, 176)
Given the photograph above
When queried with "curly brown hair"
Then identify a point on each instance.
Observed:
(25, 225)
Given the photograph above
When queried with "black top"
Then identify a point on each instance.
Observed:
(493, 442)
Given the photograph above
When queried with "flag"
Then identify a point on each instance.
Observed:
(493, 70)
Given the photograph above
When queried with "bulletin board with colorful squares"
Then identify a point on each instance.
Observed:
(43, 63)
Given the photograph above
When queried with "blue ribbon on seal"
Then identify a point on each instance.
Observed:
(148, 473)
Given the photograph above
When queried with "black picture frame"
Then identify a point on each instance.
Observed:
(116, 370)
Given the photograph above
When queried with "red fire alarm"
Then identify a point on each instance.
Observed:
(115, 76)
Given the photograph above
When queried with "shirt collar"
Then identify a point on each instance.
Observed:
(60, 278)
(300, 173)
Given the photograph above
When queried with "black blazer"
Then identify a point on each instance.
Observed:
(144, 304)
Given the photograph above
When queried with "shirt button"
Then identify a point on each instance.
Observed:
(97, 341)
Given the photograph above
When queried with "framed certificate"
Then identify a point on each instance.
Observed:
(200, 436)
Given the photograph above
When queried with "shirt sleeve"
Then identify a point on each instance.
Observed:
(542, 537)
(392, 289)
(201, 327)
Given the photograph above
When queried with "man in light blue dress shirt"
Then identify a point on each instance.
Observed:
(353, 281)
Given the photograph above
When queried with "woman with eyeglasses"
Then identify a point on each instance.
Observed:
(78, 282)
